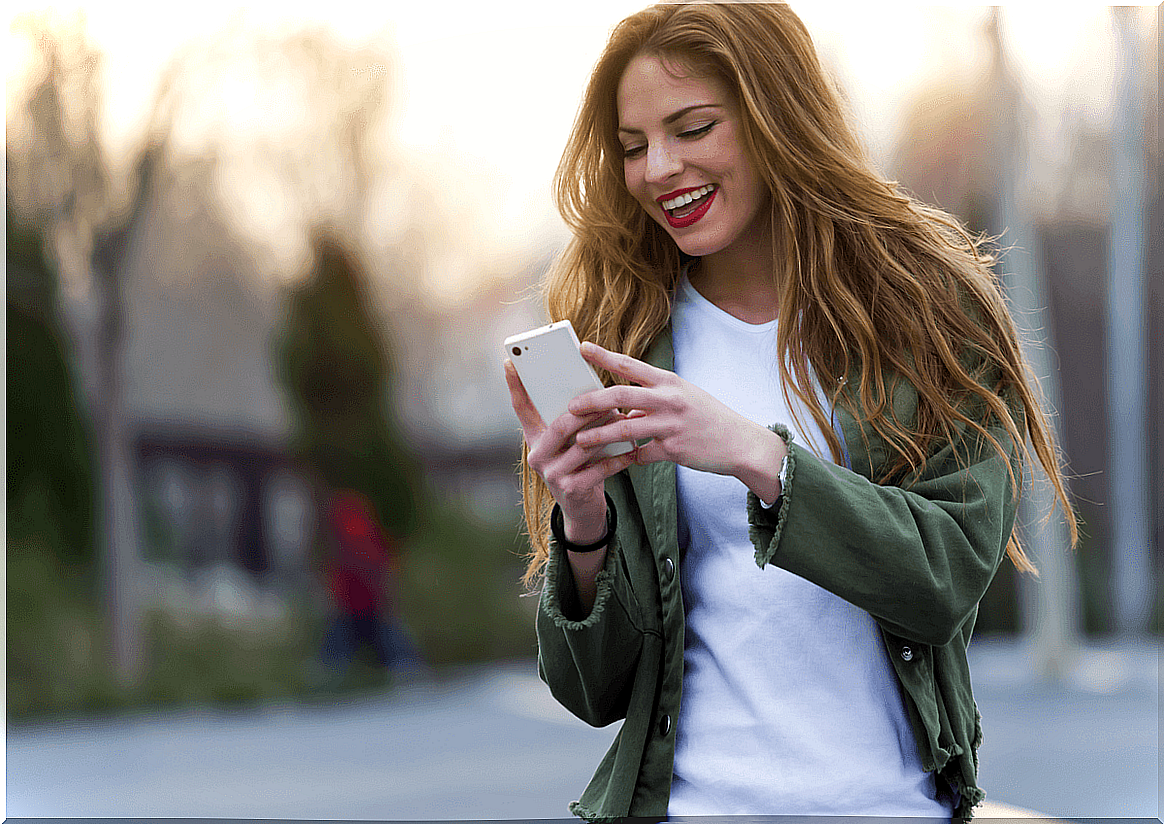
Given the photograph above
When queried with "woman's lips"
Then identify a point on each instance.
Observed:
(693, 216)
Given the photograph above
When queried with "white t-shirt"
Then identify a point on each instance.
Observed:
(790, 705)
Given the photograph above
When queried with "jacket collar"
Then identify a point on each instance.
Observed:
(654, 484)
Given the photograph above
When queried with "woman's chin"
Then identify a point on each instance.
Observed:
(696, 247)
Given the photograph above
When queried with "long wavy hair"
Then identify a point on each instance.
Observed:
(867, 276)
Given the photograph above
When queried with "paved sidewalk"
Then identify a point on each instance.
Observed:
(491, 743)
(1085, 748)
(995, 810)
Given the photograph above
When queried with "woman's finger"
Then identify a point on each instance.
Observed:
(563, 438)
(561, 433)
(650, 452)
(612, 398)
(555, 453)
(531, 422)
(624, 365)
(597, 471)
(627, 428)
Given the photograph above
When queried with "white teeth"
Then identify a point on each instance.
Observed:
(684, 199)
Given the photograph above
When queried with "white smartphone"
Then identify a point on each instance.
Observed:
(551, 367)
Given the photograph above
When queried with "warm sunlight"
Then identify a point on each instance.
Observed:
(489, 91)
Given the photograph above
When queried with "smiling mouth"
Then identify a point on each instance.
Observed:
(689, 207)
(678, 204)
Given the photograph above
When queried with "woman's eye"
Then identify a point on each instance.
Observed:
(696, 132)
(629, 152)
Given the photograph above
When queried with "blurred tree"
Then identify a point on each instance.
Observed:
(59, 177)
(49, 447)
(310, 148)
(299, 123)
(50, 513)
(337, 372)
(57, 170)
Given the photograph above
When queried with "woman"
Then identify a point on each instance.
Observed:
(775, 590)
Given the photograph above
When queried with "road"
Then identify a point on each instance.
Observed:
(491, 743)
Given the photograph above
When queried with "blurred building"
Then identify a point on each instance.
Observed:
(453, 401)
(209, 428)
(210, 498)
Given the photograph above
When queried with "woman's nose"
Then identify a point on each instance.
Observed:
(662, 163)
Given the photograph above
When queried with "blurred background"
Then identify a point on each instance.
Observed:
(260, 452)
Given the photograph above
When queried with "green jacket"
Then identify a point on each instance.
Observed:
(918, 560)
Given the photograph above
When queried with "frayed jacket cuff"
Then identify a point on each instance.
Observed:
(560, 595)
(765, 523)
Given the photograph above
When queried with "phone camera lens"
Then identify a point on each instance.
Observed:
(517, 350)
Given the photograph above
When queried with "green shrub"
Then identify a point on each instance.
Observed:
(461, 593)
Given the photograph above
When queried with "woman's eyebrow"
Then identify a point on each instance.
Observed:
(671, 118)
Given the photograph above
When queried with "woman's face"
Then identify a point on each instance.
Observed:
(684, 158)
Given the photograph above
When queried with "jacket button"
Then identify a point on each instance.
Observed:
(668, 568)
(906, 654)
(664, 725)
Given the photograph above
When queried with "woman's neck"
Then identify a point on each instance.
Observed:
(740, 282)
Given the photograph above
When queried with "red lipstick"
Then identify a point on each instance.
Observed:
(688, 219)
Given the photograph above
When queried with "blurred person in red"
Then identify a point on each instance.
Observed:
(362, 577)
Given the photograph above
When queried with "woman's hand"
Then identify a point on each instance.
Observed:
(685, 424)
(573, 472)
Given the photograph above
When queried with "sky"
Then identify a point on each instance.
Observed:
(489, 90)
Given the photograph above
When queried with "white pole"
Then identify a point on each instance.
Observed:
(1127, 395)
(1050, 603)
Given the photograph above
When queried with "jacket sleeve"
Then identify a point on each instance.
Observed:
(918, 558)
(588, 661)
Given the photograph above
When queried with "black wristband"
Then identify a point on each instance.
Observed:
(557, 529)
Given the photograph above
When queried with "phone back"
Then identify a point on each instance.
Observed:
(551, 368)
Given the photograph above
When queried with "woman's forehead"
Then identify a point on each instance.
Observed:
(652, 86)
